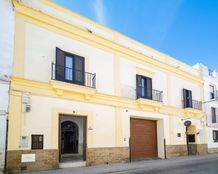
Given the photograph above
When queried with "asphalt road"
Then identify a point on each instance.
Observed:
(204, 166)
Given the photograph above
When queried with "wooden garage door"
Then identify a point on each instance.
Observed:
(143, 138)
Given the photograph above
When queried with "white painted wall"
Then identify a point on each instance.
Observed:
(40, 53)
(209, 80)
(39, 121)
(6, 59)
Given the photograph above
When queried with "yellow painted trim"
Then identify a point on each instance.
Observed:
(118, 127)
(15, 121)
(53, 23)
(19, 47)
(117, 85)
(55, 124)
(46, 89)
(114, 32)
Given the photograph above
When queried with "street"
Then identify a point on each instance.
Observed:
(202, 164)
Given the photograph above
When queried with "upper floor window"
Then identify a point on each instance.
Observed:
(187, 98)
(210, 72)
(213, 114)
(188, 102)
(212, 91)
(144, 89)
(71, 68)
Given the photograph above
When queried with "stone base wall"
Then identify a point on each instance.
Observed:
(202, 149)
(176, 150)
(107, 155)
(45, 159)
(181, 150)
(213, 150)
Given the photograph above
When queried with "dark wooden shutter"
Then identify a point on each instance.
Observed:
(213, 113)
(138, 86)
(60, 65)
(190, 98)
(148, 88)
(79, 70)
(187, 98)
(184, 99)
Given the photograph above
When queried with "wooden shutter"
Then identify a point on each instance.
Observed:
(79, 70)
(187, 98)
(60, 65)
(190, 98)
(148, 88)
(138, 86)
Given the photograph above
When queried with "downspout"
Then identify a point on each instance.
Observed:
(6, 146)
(165, 151)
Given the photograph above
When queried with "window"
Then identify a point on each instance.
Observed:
(37, 141)
(210, 72)
(69, 67)
(213, 114)
(144, 87)
(187, 98)
(212, 92)
(191, 138)
(215, 135)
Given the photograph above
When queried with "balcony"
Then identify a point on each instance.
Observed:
(153, 94)
(193, 104)
(70, 75)
(214, 95)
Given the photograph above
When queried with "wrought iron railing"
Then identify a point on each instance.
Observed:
(194, 104)
(214, 95)
(151, 94)
(70, 75)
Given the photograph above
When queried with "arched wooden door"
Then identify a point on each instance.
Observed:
(69, 137)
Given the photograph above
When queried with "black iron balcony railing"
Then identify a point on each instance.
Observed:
(150, 94)
(214, 95)
(70, 75)
(193, 104)
(196, 104)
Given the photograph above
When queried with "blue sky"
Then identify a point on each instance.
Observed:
(184, 29)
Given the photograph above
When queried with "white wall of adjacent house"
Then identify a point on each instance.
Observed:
(210, 79)
(6, 59)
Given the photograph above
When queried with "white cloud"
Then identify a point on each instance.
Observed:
(100, 12)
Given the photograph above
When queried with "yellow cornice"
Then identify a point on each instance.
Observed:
(111, 31)
(52, 22)
(85, 94)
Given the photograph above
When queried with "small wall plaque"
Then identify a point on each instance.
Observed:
(28, 158)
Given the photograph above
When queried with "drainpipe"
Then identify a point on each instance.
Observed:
(165, 151)
(6, 146)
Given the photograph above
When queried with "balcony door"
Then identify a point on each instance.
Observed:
(69, 67)
(187, 98)
(144, 87)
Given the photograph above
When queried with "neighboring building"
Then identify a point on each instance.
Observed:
(6, 57)
(85, 94)
(211, 105)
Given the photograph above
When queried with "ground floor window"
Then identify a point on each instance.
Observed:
(37, 141)
(215, 135)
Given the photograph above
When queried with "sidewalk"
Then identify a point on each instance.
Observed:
(122, 167)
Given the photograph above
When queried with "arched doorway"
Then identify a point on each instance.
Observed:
(69, 137)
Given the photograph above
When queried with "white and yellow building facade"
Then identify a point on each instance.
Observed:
(81, 91)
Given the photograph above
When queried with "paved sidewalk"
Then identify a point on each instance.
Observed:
(122, 167)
